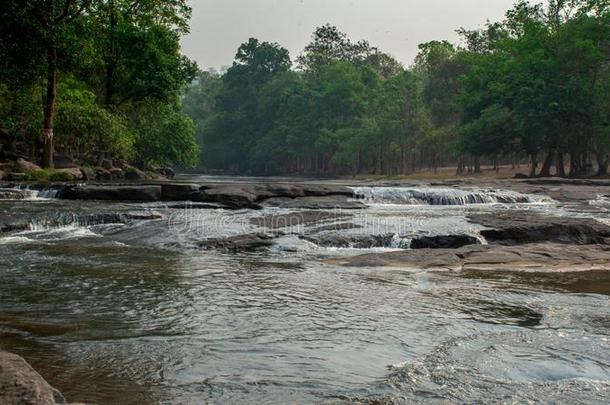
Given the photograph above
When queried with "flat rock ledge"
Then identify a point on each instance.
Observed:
(536, 257)
(233, 196)
(20, 384)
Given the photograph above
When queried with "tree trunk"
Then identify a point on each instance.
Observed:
(559, 165)
(49, 108)
(546, 166)
(602, 164)
(533, 164)
(477, 165)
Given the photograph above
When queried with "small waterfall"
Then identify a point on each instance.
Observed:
(30, 192)
(440, 196)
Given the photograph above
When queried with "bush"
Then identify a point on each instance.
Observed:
(38, 175)
(61, 176)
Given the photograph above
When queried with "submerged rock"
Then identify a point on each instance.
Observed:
(444, 242)
(356, 241)
(521, 227)
(296, 219)
(21, 384)
(547, 257)
(240, 243)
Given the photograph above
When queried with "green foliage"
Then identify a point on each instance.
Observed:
(163, 135)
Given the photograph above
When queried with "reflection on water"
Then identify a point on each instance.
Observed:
(130, 313)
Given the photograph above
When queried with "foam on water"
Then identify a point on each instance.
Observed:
(441, 196)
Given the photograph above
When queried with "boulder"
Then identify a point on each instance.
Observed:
(22, 165)
(113, 193)
(102, 174)
(116, 173)
(133, 173)
(89, 173)
(74, 172)
(513, 228)
(107, 164)
(21, 384)
(240, 243)
(443, 242)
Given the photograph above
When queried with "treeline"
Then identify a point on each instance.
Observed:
(534, 86)
(95, 79)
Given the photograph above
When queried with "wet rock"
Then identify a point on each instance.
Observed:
(546, 257)
(22, 165)
(240, 243)
(21, 384)
(323, 202)
(518, 228)
(443, 242)
(252, 195)
(355, 241)
(180, 192)
(295, 219)
(335, 227)
(113, 193)
(12, 225)
(12, 194)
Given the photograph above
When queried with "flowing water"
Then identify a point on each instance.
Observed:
(117, 310)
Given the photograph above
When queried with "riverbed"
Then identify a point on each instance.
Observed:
(135, 311)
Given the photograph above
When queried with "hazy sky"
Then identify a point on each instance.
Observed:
(218, 27)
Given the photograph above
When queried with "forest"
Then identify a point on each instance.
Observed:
(533, 88)
(96, 80)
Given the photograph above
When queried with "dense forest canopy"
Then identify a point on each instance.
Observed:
(534, 86)
(105, 79)
(96, 79)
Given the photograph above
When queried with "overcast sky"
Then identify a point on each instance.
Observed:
(218, 27)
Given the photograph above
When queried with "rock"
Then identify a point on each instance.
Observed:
(74, 172)
(295, 219)
(240, 243)
(322, 202)
(116, 173)
(547, 257)
(22, 165)
(251, 195)
(2, 175)
(335, 227)
(521, 227)
(63, 162)
(102, 174)
(12, 194)
(133, 173)
(443, 242)
(12, 225)
(113, 193)
(107, 164)
(180, 192)
(21, 384)
(355, 241)
(521, 176)
(89, 173)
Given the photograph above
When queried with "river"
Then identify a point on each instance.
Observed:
(133, 313)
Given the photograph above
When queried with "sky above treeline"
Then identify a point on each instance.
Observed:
(218, 27)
